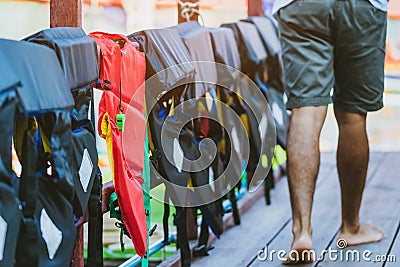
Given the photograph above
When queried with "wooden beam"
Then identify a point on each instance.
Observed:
(68, 13)
(65, 13)
(181, 19)
(255, 8)
(77, 257)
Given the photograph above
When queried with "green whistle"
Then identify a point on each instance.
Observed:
(120, 120)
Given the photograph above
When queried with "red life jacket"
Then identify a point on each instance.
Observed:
(123, 69)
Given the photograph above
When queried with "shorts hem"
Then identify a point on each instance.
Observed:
(299, 102)
(354, 108)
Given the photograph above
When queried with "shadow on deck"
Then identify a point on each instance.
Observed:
(271, 225)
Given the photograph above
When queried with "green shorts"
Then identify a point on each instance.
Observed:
(333, 44)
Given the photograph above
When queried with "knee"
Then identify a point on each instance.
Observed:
(344, 118)
(308, 120)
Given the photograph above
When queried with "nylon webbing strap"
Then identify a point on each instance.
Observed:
(27, 247)
(95, 223)
(165, 219)
(28, 189)
(92, 117)
(146, 195)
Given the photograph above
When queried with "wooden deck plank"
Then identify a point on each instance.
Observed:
(325, 220)
(326, 194)
(381, 205)
(258, 225)
(238, 241)
(322, 218)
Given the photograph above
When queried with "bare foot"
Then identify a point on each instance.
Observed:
(366, 233)
(300, 252)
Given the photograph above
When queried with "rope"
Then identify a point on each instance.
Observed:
(188, 9)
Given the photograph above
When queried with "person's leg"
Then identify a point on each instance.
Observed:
(303, 165)
(307, 54)
(359, 83)
(352, 164)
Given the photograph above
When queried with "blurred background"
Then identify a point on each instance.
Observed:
(19, 19)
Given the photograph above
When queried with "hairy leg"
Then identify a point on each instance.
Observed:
(352, 165)
(303, 165)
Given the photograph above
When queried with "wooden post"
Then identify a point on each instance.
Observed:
(191, 222)
(255, 8)
(181, 19)
(68, 13)
(65, 13)
(77, 257)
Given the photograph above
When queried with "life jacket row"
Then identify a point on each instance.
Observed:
(46, 99)
(46, 91)
(176, 58)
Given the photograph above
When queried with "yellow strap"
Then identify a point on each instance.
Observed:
(106, 133)
(105, 125)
